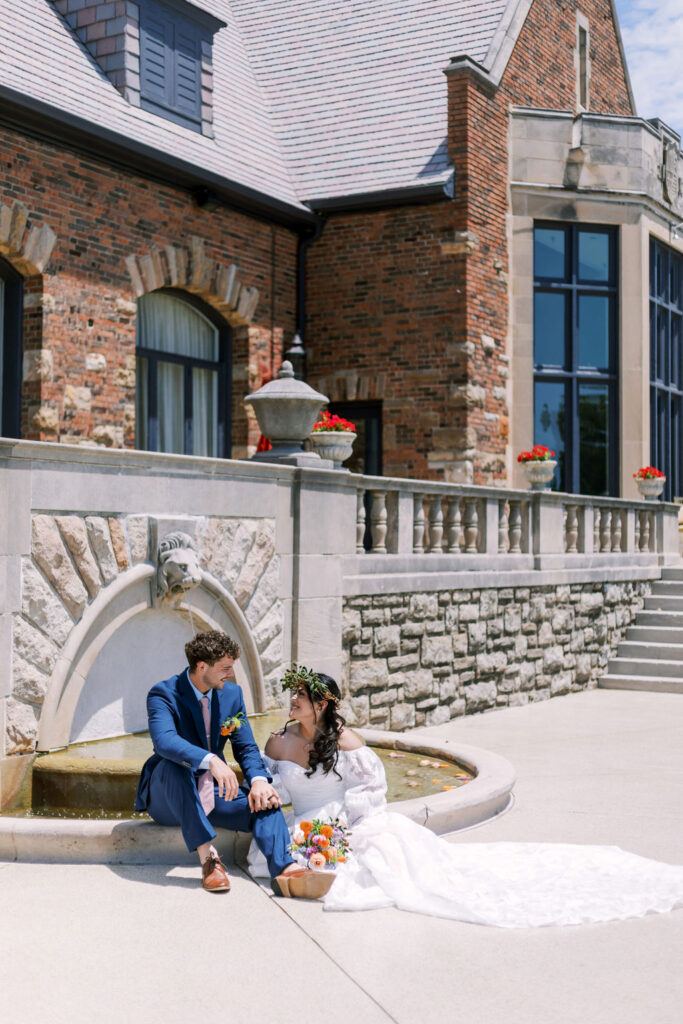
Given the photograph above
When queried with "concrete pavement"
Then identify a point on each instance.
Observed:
(108, 944)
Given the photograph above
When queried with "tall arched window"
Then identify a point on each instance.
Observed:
(183, 377)
(11, 288)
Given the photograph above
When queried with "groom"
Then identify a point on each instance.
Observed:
(187, 782)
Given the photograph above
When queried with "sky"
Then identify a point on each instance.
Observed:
(652, 31)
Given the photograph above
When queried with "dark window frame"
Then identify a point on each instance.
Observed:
(223, 367)
(177, 16)
(571, 373)
(666, 382)
(12, 350)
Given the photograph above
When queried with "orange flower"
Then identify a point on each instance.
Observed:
(306, 827)
(327, 830)
(323, 842)
(326, 854)
(341, 858)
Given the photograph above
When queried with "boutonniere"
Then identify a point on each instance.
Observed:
(230, 725)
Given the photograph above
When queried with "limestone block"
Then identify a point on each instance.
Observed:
(372, 674)
(408, 660)
(583, 668)
(31, 645)
(137, 528)
(128, 417)
(216, 545)
(437, 650)
(402, 716)
(22, 727)
(518, 699)
(383, 698)
(260, 554)
(545, 634)
(553, 659)
(412, 629)
(476, 635)
(100, 541)
(469, 613)
(75, 534)
(418, 684)
(438, 715)
(40, 604)
(38, 365)
(488, 604)
(424, 606)
(480, 696)
(491, 664)
(562, 620)
(108, 434)
(44, 419)
(265, 594)
(28, 682)
(591, 604)
(379, 718)
(527, 675)
(448, 688)
(512, 620)
(96, 361)
(77, 399)
(387, 640)
(51, 555)
(118, 542)
(124, 378)
(537, 609)
(521, 646)
(350, 626)
(460, 644)
(269, 627)
(271, 659)
(561, 683)
(357, 710)
(239, 550)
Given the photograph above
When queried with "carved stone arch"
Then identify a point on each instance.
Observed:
(189, 269)
(26, 246)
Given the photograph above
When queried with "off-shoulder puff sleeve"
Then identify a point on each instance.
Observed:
(366, 784)
(277, 783)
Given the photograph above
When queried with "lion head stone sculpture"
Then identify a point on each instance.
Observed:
(179, 569)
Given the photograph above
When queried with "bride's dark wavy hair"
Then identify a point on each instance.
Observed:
(325, 751)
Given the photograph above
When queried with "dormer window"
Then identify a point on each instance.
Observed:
(582, 61)
(157, 53)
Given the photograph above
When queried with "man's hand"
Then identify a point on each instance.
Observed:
(228, 786)
(262, 796)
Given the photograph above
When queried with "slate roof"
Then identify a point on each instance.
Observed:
(313, 99)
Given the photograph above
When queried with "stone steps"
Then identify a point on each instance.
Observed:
(651, 656)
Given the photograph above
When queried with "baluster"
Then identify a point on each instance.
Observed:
(652, 542)
(605, 529)
(572, 529)
(471, 526)
(378, 522)
(515, 520)
(596, 528)
(636, 531)
(453, 525)
(360, 522)
(644, 530)
(502, 527)
(435, 524)
(418, 524)
(616, 530)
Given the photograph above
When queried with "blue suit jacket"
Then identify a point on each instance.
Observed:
(177, 729)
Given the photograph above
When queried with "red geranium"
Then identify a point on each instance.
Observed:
(329, 421)
(539, 453)
(649, 473)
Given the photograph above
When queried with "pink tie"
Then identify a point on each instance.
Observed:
(207, 797)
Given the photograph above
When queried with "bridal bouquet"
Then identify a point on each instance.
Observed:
(320, 845)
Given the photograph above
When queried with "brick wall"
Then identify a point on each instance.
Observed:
(411, 305)
(81, 311)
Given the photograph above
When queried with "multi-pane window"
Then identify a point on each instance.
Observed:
(575, 354)
(666, 365)
(11, 284)
(183, 376)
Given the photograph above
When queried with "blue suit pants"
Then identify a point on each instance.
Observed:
(174, 800)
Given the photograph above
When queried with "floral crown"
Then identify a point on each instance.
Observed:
(299, 675)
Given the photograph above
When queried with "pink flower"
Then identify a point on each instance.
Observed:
(317, 862)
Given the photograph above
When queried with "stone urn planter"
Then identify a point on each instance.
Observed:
(336, 445)
(286, 409)
(539, 473)
(652, 487)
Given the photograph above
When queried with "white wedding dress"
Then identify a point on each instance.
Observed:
(395, 862)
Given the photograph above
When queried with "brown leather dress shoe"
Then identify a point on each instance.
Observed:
(214, 876)
(303, 884)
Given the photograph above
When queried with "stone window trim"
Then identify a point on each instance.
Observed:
(582, 63)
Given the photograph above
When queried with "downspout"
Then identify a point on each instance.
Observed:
(296, 353)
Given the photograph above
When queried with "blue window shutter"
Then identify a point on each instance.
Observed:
(170, 64)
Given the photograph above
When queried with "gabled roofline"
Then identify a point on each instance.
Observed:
(47, 122)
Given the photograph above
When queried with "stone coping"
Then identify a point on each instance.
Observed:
(133, 841)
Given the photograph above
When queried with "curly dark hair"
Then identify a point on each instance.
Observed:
(329, 725)
(210, 647)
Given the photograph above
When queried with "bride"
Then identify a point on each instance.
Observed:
(326, 772)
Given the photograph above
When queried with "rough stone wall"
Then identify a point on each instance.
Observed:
(410, 305)
(424, 658)
(79, 326)
(74, 558)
